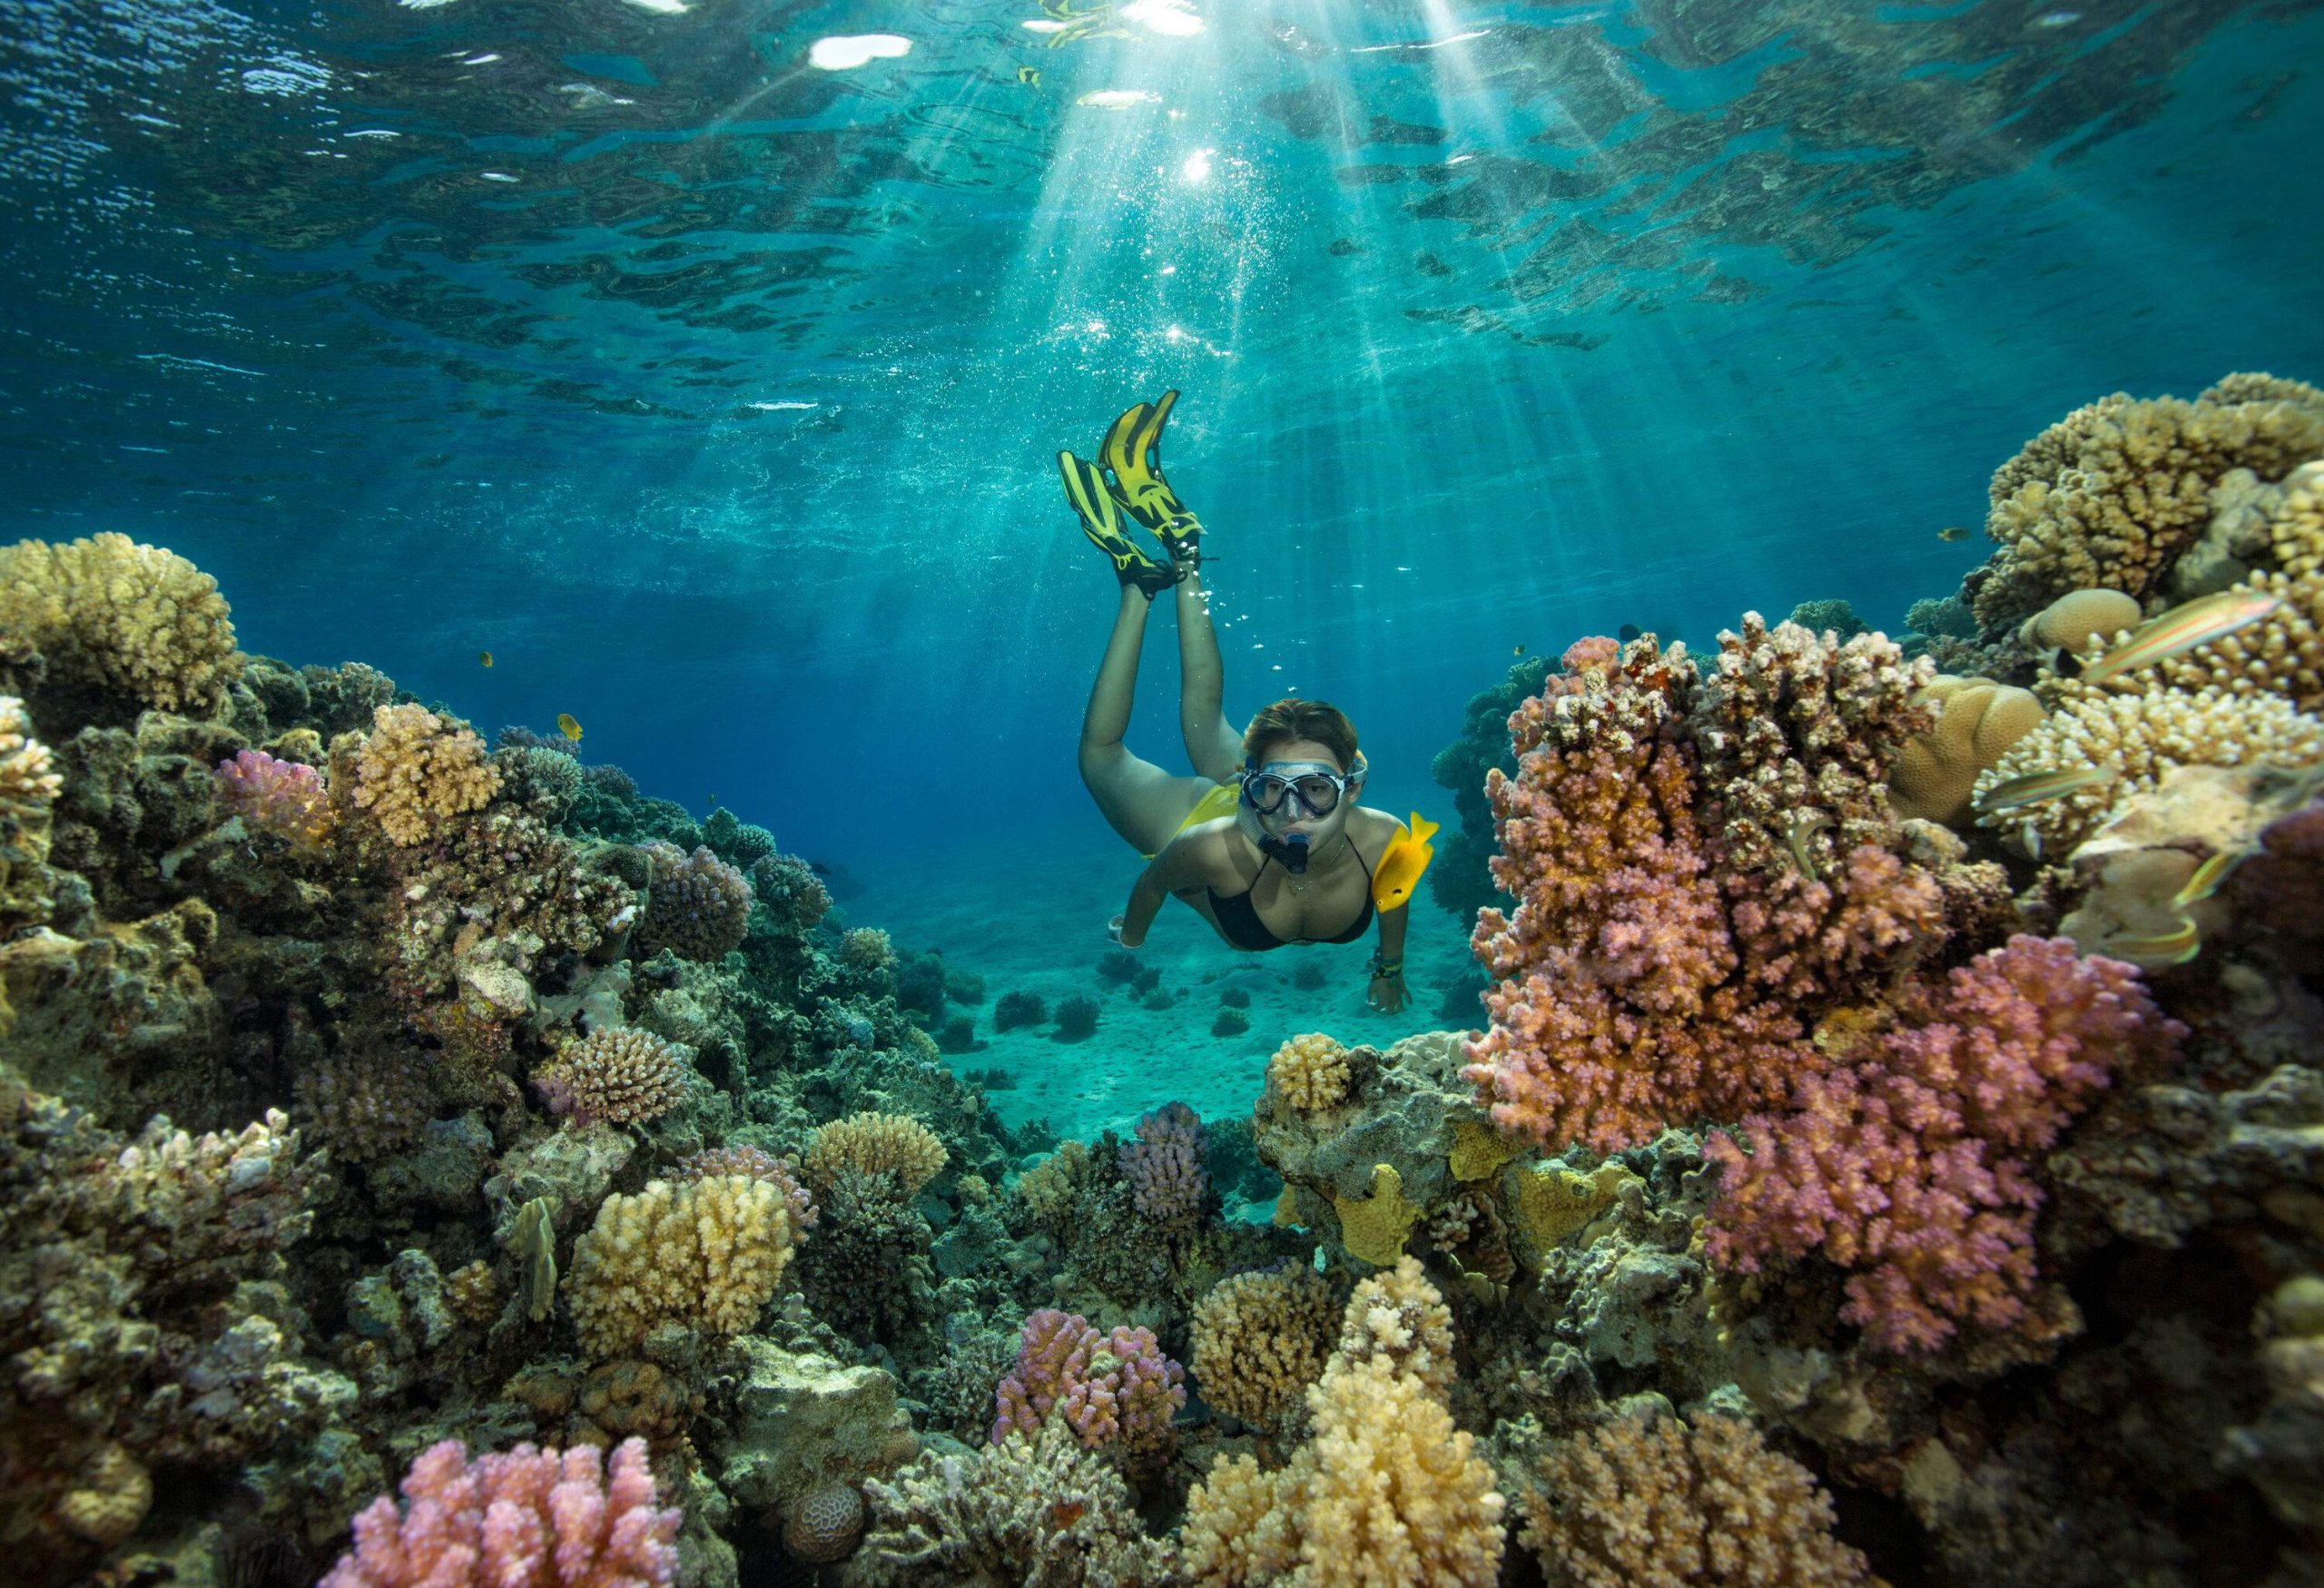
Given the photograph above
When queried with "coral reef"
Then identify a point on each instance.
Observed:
(1116, 1391)
(1309, 1072)
(1260, 1339)
(704, 1254)
(529, 1519)
(111, 618)
(417, 769)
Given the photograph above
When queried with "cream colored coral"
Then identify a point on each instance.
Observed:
(139, 621)
(1309, 1072)
(419, 768)
(1668, 1505)
(2109, 496)
(1260, 1339)
(1397, 1313)
(875, 1143)
(707, 1254)
(1048, 1188)
(1387, 1494)
(2296, 522)
(1977, 720)
(26, 784)
(2142, 736)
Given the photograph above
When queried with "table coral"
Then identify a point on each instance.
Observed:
(1116, 1391)
(706, 1253)
(417, 769)
(626, 1077)
(137, 622)
(1662, 1503)
(1911, 1163)
(1260, 1339)
(529, 1519)
(2112, 494)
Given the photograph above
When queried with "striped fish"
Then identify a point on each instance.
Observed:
(2036, 786)
(2180, 630)
(2209, 876)
(2160, 951)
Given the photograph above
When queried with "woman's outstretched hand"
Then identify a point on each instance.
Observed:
(1114, 931)
(1387, 994)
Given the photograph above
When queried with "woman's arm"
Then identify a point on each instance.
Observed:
(1386, 992)
(1172, 870)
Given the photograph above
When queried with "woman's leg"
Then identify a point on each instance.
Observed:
(1142, 802)
(1213, 747)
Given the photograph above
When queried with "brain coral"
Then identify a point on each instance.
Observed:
(1977, 721)
(2112, 494)
(875, 1143)
(1641, 1505)
(2142, 736)
(419, 768)
(706, 1254)
(626, 1077)
(136, 621)
(1260, 1339)
(697, 906)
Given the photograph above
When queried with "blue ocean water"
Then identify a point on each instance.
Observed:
(716, 395)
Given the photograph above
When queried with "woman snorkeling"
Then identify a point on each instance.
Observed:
(1265, 841)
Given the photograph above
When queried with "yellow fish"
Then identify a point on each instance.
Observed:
(2209, 876)
(568, 726)
(1953, 532)
(1518, 652)
(485, 656)
(2159, 951)
(1407, 855)
(2036, 786)
(2182, 629)
(1030, 76)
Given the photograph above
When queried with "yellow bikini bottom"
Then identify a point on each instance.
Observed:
(1219, 802)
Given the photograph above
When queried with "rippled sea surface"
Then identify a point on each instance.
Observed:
(717, 393)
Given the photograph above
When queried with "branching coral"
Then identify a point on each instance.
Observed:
(418, 769)
(505, 876)
(781, 1173)
(706, 1253)
(1309, 1072)
(2110, 495)
(1665, 1503)
(1912, 1164)
(875, 1143)
(139, 622)
(1260, 1339)
(1039, 1511)
(285, 800)
(624, 1076)
(2138, 738)
(142, 1318)
(1164, 1164)
(1116, 1391)
(1386, 1494)
(697, 906)
(529, 1519)
(364, 1106)
(28, 791)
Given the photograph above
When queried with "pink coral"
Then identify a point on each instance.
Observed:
(282, 798)
(1912, 1164)
(529, 1519)
(1164, 1164)
(1114, 1389)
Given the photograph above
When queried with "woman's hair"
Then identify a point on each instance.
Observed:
(1293, 718)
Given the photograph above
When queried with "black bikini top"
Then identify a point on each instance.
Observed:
(1238, 918)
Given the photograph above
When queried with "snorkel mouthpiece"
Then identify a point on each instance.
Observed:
(1292, 852)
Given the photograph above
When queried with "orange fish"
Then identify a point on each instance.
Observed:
(1400, 868)
(1953, 532)
(1518, 652)
(568, 726)
(485, 658)
(2182, 629)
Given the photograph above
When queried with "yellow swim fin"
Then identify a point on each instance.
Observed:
(1100, 517)
(1132, 451)
(1401, 866)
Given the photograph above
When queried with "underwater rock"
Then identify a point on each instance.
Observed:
(801, 1420)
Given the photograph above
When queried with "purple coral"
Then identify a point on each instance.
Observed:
(284, 799)
(697, 906)
(529, 1519)
(1164, 1164)
(1913, 1165)
(1114, 1390)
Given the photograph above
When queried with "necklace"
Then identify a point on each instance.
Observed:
(1299, 885)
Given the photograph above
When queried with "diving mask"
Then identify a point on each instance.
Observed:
(1316, 785)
